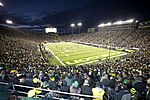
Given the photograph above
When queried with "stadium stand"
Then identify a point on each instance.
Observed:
(23, 61)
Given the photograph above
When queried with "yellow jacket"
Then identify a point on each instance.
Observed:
(98, 92)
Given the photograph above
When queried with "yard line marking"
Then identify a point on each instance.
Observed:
(101, 59)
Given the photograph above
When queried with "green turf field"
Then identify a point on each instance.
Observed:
(67, 53)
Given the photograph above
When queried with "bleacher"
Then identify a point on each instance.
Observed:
(22, 63)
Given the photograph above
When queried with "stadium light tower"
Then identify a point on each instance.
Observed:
(9, 22)
(79, 24)
(72, 25)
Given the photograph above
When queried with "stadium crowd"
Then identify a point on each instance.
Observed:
(21, 62)
(127, 38)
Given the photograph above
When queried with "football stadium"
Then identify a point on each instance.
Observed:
(74, 50)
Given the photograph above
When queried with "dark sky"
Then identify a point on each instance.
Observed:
(35, 9)
(43, 12)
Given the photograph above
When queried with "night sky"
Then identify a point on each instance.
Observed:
(26, 13)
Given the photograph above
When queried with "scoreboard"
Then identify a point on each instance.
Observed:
(51, 30)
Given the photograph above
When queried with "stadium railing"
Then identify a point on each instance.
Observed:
(51, 91)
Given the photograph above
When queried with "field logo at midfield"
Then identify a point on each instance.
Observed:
(81, 60)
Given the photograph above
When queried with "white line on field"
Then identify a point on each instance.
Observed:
(101, 59)
(55, 56)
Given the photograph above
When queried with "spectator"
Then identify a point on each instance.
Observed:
(124, 93)
(86, 89)
(69, 79)
(74, 88)
(98, 91)
(3, 91)
(65, 88)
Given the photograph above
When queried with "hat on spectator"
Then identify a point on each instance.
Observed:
(14, 71)
(18, 75)
(52, 79)
(31, 93)
(76, 84)
(86, 83)
(133, 91)
(35, 80)
(125, 81)
(139, 79)
(113, 74)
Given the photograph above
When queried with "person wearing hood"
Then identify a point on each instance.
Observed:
(69, 79)
(86, 89)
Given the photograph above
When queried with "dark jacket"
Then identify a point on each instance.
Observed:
(139, 86)
(113, 94)
(124, 95)
(65, 89)
(87, 90)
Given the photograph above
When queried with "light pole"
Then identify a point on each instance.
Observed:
(72, 25)
(79, 24)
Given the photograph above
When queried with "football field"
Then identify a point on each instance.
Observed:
(67, 53)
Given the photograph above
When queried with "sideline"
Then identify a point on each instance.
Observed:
(54, 55)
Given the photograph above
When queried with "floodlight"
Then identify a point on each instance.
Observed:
(136, 21)
(1, 4)
(108, 24)
(128, 21)
(118, 23)
(101, 25)
(79, 24)
(72, 25)
(9, 22)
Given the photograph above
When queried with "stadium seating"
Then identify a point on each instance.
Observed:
(23, 61)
